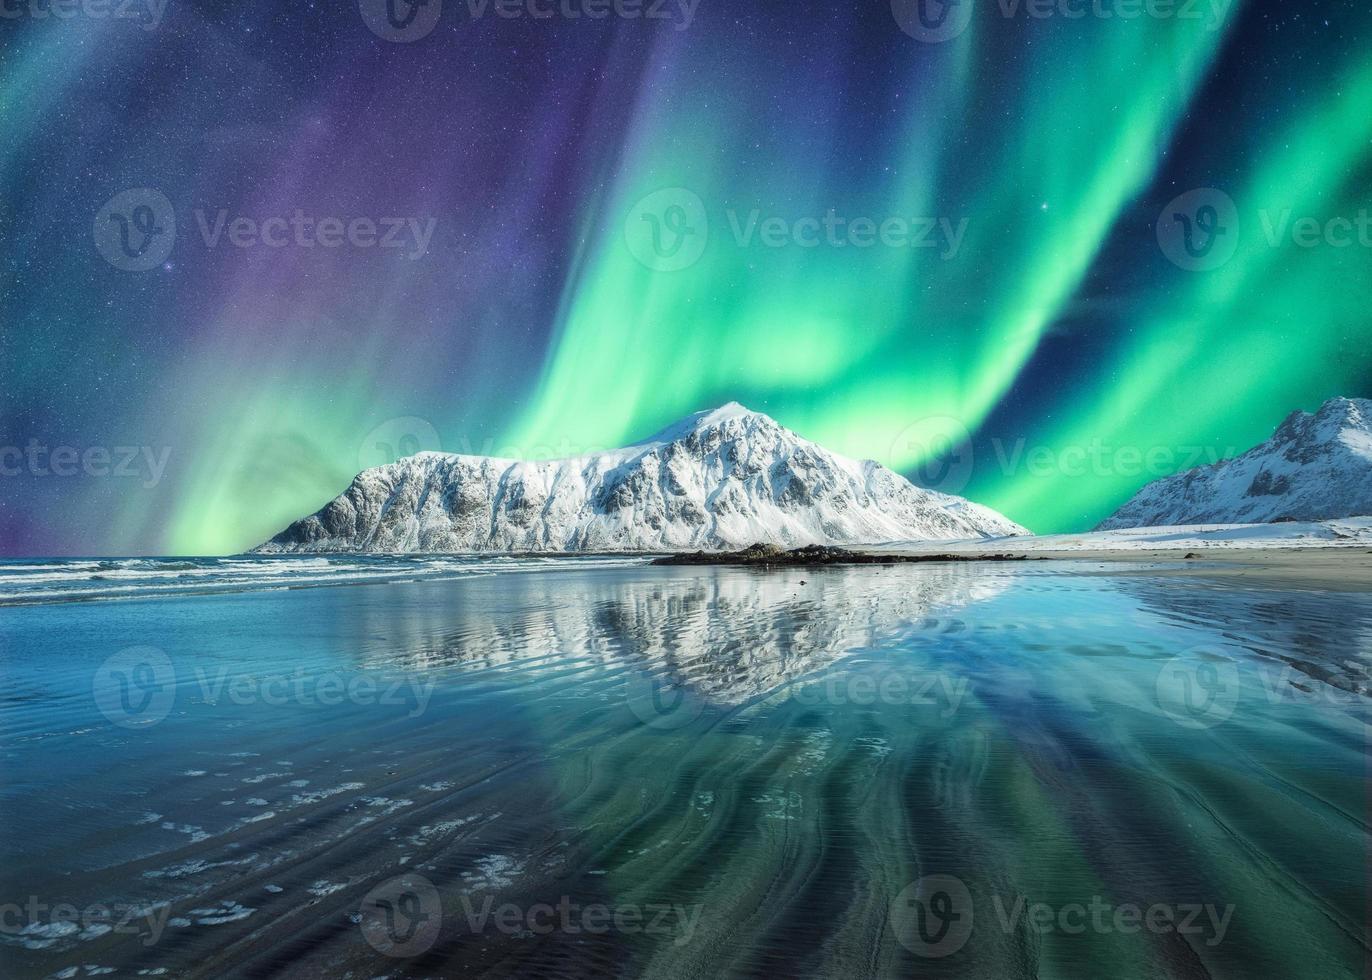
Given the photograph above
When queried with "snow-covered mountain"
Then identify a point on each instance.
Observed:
(716, 480)
(1315, 468)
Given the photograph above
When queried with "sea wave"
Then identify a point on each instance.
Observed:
(42, 581)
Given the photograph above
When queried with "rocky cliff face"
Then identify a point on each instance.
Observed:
(716, 480)
(1316, 467)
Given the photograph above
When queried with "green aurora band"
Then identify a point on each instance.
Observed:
(1048, 139)
(878, 352)
(1220, 360)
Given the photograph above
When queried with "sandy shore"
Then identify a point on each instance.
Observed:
(1345, 569)
(1331, 567)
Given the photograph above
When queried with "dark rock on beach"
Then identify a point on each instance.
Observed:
(769, 556)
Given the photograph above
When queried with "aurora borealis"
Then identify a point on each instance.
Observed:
(1052, 330)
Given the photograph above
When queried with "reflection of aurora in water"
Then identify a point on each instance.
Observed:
(1069, 770)
(530, 323)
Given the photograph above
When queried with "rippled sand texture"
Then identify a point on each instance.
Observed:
(759, 766)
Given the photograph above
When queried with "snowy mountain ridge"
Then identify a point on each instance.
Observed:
(715, 480)
(1314, 468)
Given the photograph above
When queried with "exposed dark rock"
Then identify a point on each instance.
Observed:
(770, 556)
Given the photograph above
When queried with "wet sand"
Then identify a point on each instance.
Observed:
(1346, 569)
(768, 765)
(1341, 568)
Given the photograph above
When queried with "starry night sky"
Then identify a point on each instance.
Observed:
(1050, 359)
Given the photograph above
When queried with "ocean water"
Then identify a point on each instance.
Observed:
(438, 767)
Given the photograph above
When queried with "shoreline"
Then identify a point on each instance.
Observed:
(817, 555)
(1343, 568)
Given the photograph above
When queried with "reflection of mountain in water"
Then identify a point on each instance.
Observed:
(795, 827)
(1310, 632)
(727, 636)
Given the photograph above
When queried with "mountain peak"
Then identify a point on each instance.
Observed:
(1351, 411)
(1326, 423)
(729, 410)
(710, 418)
(1315, 467)
(719, 479)
(725, 413)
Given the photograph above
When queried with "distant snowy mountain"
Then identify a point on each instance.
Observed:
(716, 480)
(1315, 468)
